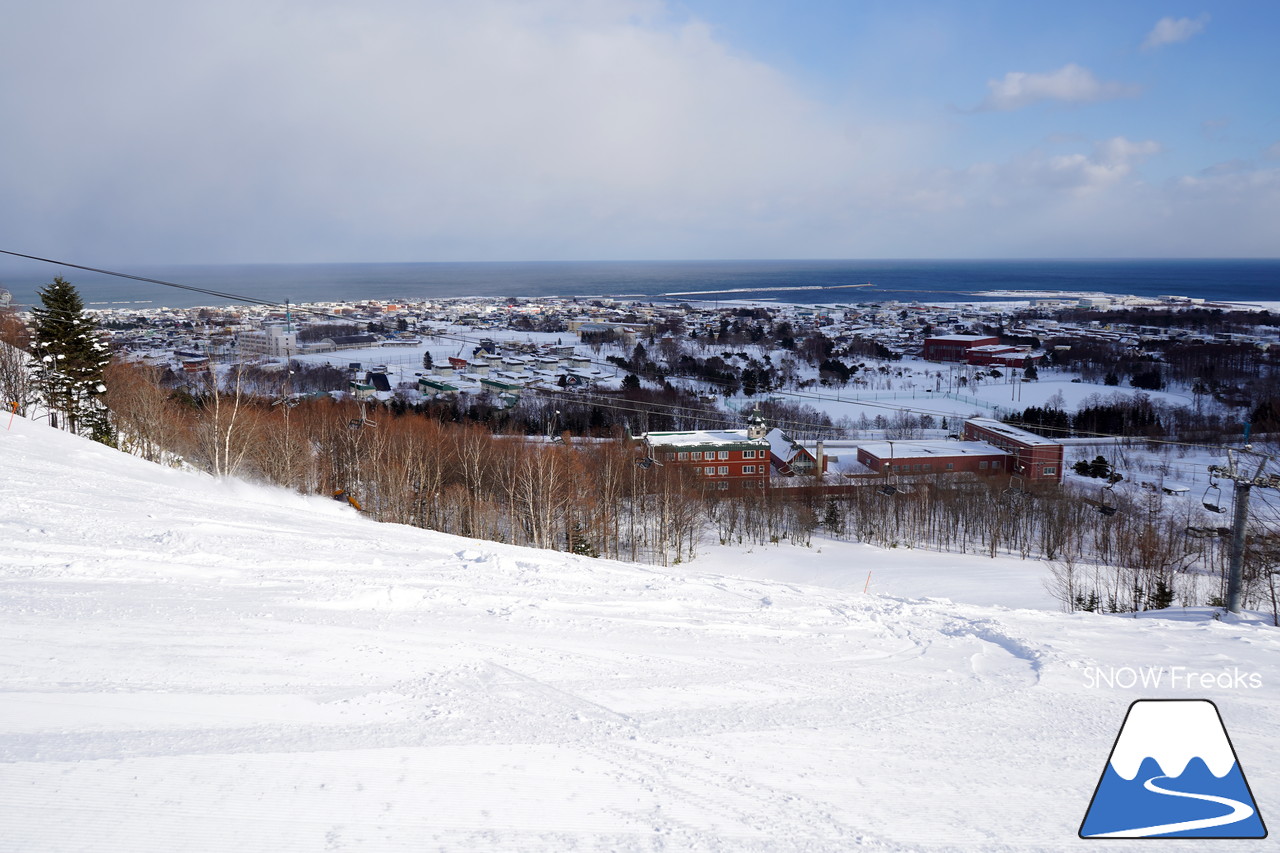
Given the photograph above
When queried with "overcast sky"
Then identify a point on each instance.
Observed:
(405, 130)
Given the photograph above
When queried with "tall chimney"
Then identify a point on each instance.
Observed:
(822, 459)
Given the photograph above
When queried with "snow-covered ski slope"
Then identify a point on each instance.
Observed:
(188, 664)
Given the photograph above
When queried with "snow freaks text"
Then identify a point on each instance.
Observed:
(1172, 677)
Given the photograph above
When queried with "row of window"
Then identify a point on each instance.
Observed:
(721, 470)
(708, 455)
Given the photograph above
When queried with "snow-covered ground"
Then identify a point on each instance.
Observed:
(188, 664)
(900, 572)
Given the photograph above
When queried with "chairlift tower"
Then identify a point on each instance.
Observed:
(1234, 470)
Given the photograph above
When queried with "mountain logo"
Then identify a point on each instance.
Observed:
(1172, 773)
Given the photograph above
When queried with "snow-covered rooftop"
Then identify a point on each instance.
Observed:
(1021, 435)
(914, 449)
(697, 438)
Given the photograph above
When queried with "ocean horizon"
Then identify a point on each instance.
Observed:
(843, 282)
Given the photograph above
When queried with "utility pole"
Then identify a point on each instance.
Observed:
(1244, 484)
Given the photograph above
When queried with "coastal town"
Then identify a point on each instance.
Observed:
(422, 349)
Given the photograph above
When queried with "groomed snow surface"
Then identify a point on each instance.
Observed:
(188, 664)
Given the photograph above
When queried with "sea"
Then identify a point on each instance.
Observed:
(808, 282)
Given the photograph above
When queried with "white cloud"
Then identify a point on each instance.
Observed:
(513, 130)
(1173, 30)
(1111, 161)
(1069, 84)
(406, 130)
(1036, 176)
(1119, 151)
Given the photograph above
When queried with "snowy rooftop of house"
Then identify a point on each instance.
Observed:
(783, 446)
(697, 438)
(996, 348)
(960, 337)
(1021, 435)
(917, 449)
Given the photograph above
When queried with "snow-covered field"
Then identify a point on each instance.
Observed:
(188, 664)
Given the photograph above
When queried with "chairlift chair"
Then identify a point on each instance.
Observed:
(1108, 509)
(360, 422)
(1213, 503)
(1017, 484)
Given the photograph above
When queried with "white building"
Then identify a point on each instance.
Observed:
(268, 342)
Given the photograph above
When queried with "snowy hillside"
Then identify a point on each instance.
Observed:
(187, 664)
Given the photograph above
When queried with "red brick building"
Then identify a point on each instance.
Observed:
(989, 448)
(1002, 355)
(934, 457)
(733, 460)
(954, 347)
(1035, 458)
(736, 460)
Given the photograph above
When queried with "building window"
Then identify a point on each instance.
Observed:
(723, 469)
(684, 457)
(982, 466)
(711, 471)
(748, 469)
(1051, 469)
(722, 485)
(995, 463)
(762, 484)
(723, 454)
(928, 466)
(748, 454)
(751, 484)
(696, 455)
(670, 457)
(951, 466)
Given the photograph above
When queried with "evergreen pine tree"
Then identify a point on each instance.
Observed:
(579, 544)
(1099, 467)
(70, 360)
(1162, 597)
(831, 519)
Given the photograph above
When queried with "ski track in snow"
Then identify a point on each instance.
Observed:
(191, 665)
